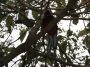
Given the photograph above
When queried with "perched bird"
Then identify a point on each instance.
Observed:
(52, 34)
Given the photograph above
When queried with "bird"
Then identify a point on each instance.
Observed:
(52, 34)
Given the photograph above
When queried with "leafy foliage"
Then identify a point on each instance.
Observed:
(9, 23)
(22, 33)
(34, 51)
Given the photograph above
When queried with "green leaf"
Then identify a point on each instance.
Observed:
(88, 25)
(87, 8)
(74, 40)
(29, 1)
(22, 34)
(2, 16)
(61, 4)
(9, 23)
(22, 15)
(60, 38)
(83, 32)
(75, 18)
(69, 33)
(64, 45)
(75, 21)
(86, 41)
(35, 14)
(42, 65)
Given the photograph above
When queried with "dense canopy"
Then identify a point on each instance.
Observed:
(23, 43)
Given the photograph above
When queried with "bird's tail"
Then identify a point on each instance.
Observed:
(52, 46)
(52, 43)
